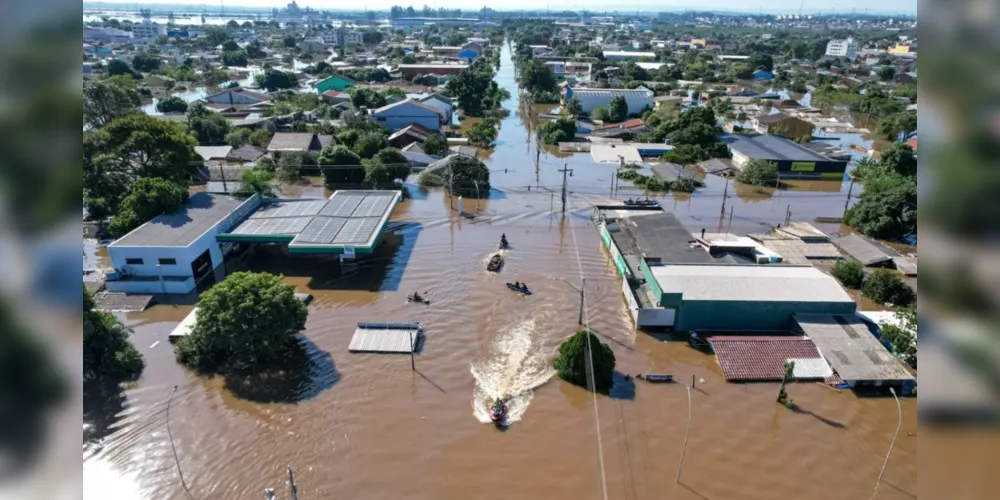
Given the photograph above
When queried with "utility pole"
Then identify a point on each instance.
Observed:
(291, 484)
(413, 347)
(564, 170)
(847, 202)
(222, 170)
(899, 425)
(725, 193)
(687, 431)
(581, 300)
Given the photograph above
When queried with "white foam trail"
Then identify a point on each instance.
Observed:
(515, 367)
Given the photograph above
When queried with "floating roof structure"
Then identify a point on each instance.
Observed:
(386, 337)
(347, 222)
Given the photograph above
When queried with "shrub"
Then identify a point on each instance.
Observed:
(436, 145)
(149, 197)
(849, 273)
(571, 365)
(430, 179)
(758, 173)
(172, 104)
(885, 287)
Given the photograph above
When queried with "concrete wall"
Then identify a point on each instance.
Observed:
(750, 316)
(151, 287)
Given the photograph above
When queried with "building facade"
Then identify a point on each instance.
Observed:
(845, 48)
(148, 31)
(637, 99)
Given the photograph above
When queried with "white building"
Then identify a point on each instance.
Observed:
(848, 49)
(398, 115)
(172, 252)
(350, 37)
(637, 99)
(620, 55)
(148, 31)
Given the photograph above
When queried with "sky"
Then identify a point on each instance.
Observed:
(772, 6)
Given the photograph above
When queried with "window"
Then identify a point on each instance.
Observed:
(133, 262)
(168, 262)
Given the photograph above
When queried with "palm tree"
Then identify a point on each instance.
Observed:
(258, 181)
(863, 168)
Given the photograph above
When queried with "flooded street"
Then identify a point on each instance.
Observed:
(366, 426)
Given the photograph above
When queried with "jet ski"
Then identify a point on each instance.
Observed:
(498, 411)
(417, 298)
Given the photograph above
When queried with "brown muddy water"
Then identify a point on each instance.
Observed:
(366, 426)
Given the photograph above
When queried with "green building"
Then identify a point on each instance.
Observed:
(744, 297)
(335, 82)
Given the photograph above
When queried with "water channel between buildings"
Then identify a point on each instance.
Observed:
(366, 426)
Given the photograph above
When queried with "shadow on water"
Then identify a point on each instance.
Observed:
(417, 193)
(832, 423)
(433, 383)
(623, 388)
(103, 401)
(302, 381)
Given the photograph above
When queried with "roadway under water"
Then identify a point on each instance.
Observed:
(366, 426)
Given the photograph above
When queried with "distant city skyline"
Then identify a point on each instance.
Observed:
(908, 7)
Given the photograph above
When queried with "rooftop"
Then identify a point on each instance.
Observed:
(213, 152)
(771, 147)
(346, 219)
(662, 236)
(763, 358)
(749, 283)
(291, 141)
(850, 348)
(179, 229)
(863, 250)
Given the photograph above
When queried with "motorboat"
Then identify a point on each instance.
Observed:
(495, 263)
(417, 298)
(656, 377)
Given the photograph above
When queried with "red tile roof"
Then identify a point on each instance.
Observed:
(759, 358)
(912, 143)
(633, 123)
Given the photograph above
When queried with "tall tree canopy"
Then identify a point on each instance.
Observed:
(148, 198)
(107, 353)
(467, 176)
(571, 365)
(109, 99)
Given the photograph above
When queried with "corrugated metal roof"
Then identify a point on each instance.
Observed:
(760, 358)
(770, 283)
(861, 249)
(811, 368)
(771, 147)
(851, 349)
(385, 337)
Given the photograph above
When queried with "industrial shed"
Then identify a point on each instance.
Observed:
(745, 298)
(794, 160)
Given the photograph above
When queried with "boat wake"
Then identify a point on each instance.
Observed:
(516, 366)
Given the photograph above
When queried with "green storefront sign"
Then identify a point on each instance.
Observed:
(803, 166)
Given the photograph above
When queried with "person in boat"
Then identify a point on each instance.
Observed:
(497, 406)
(517, 284)
(503, 239)
(523, 287)
(416, 297)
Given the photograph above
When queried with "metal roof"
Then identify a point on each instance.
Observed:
(346, 219)
(749, 283)
(861, 249)
(659, 235)
(761, 358)
(850, 348)
(181, 228)
(771, 147)
(213, 152)
(386, 337)
(291, 141)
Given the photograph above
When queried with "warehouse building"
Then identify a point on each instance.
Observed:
(638, 100)
(794, 160)
(744, 298)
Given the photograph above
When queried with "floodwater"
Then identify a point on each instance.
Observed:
(366, 426)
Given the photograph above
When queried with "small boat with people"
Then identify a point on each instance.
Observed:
(416, 297)
(503, 242)
(498, 411)
(656, 377)
(495, 263)
(641, 203)
(521, 288)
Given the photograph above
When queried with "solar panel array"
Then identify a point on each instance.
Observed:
(342, 220)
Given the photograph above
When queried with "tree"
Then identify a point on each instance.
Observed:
(618, 109)
(148, 198)
(758, 173)
(248, 323)
(288, 166)
(255, 51)
(107, 353)
(397, 164)
(467, 176)
(483, 133)
(430, 179)
(258, 181)
(573, 108)
(864, 168)
(475, 91)
(131, 148)
(899, 127)
(899, 158)
(887, 207)
(238, 137)
(235, 58)
(886, 73)
(436, 145)
(145, 62)
(233, 24)
(902, 334)
(289, 41)
(537, 77)
(172, 104)
(348, 137)
(376, 174)
(760, 61)
(370, 143)
(340, 156)
(787, 377)
(272, 80)
(117, 67)
(107, 100)
(208, 127)
(562, 129)
(571, 365)
(850, 273)
(366, 98)
(885, 287)
(260, 138)
(599, 113)
(230, 45)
